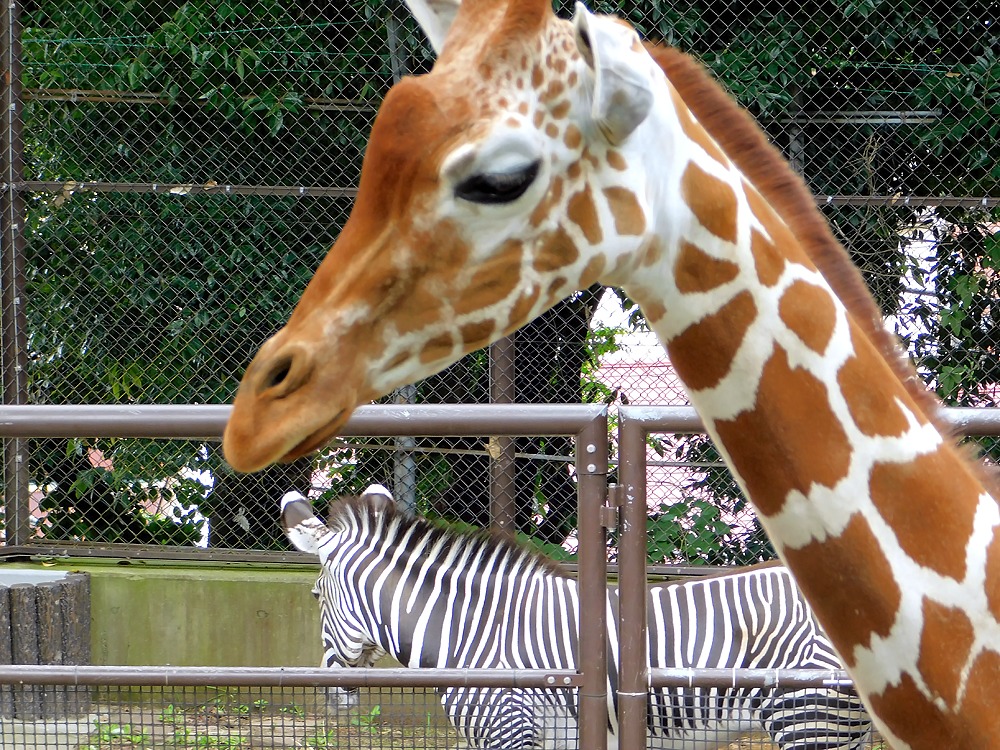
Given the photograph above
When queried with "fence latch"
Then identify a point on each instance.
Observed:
(609, 511)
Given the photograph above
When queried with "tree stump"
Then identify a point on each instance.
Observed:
(44, 619)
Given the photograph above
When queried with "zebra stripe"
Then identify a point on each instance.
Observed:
(430, 597)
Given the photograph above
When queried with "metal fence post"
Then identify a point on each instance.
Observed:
(502, 449)
(592, 476)
(12, 244)
(633, 664)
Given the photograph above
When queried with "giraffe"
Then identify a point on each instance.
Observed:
(541, 155)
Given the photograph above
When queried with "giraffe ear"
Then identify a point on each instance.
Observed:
(623, 93)
(434, 17)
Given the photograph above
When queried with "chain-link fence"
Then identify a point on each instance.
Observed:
(174, 172)
(121, 715)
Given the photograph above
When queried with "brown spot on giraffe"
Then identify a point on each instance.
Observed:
(993, 574)
(809, 313)
(653, 311)
(560, 110)
(493, 281)
(574, 170)
(538, 118)
(553, 91)
(476, 335)
(980, 698)
(438, 347)
(555, 286)
(552, 130)
(521, 310)
(848, 582)
(768, 262)
(581, 210)
(653, 253)
(630, 220)
(790, 440)
(947, 634)
(777, 230)
(875, 411)
(592, 271)
(556, 252)
(537, 76)
(424, 307)
(543, 210)
(703, 352)
(522, 108)
(695, 132)
(697, 271)
(573, 137)
(918, 721)
(616, 160)
(712, 201)
(937, 537)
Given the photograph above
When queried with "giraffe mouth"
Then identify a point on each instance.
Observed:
(319, 438)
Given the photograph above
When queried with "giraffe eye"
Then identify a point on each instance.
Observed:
(497, 187)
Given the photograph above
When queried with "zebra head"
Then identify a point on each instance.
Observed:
(347, 637)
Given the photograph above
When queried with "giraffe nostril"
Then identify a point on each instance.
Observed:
(278, 374)
(287, 373)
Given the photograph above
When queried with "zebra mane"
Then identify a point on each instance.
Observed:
(378, 514)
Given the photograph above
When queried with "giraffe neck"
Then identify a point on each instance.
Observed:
(852, 480)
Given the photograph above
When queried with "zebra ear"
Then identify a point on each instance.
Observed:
(380, 499)
(304, 530)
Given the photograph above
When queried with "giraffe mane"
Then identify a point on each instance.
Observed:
(745, 144)
(378, 513)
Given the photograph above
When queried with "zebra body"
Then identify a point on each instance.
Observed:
(431, 597)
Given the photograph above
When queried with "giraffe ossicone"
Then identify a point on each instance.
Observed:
(542, 155)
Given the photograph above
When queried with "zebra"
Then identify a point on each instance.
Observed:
(391, 582)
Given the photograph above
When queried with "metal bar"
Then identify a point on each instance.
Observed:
(316, 191)
(503, 493)
(964, 420)
(284, 676)
(592, 476)
(748, 678)
(68, 187)
(633, 668)
(12, 244)
(202, 422)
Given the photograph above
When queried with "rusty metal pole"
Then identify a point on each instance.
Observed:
(633, 664)
(12, 244)
(503, 504)
(592, 483)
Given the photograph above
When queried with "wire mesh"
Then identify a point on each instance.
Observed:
(185, 165)
(122, 717)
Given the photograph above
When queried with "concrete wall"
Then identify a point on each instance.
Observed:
(199, 614)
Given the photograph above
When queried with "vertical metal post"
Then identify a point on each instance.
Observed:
(404, 467)
(633, 663)
(503, 505)
(12, 226)
(592, 482)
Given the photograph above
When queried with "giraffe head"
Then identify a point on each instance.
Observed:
(492, 188)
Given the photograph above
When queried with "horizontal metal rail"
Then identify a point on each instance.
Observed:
(33, 674)
(350, 192)
(197, 422)
(964, 420)
(748, 678)
(207, 422)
